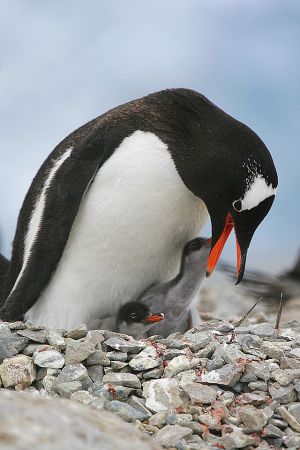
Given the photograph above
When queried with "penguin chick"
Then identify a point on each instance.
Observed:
(135, 319)
(176, 298)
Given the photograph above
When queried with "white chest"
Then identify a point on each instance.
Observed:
(128, 233)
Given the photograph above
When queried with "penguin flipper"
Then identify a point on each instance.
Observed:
(62, 200)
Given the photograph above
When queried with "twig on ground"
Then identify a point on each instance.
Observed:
(244, 317)
(279, 312)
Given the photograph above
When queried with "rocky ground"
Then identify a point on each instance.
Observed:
(207, 389)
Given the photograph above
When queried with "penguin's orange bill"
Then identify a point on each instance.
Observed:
(155, 317)
(216, 251)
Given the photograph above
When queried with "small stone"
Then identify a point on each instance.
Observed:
(122, 345)
(98, 357)
(278, 423)
(16, 325)
(170, 435)
(248, 340)
(96, 372)
(253, 418)
(110, 392)
(236, 439)
(272, 431)
(78, 332)
(123, 379)
(295, 352)
(289, 418)
(289, 363)
(263, 329)
(138, 404)
(162, 394)
(180, 364)
(158, 419)
(117, 356)
(18, 371)
(119, 366)
(55, 339)
(211, 422)
(172, 353)
(72, 372)
(175, 341)
(283, 394)
(95, 336)
(227, 397)
(7, 349)
(30, 349)
(154, 373)
(145, 360)
(197, 341)
(200, 393)
(295, 411)
(49, 358)
(258, 386)
(82, 397)
(36, 336)
(78, 350)
(125, 411)
(253, 398)
(179, 419)
(282, 377)
(228, 375)
(185, 378)
(272, 350)
(216, 363)
(291, 439)
(67, 389)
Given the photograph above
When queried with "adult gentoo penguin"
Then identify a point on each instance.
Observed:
(111, 208)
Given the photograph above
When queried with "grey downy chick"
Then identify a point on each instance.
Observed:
(136, 319)
(177, 298)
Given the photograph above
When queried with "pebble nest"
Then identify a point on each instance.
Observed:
(206, 389)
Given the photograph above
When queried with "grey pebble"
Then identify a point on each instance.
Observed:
(33, 335)
(125, 411)
(123, 379)
(78, 332)
(123, 345)
(200, 393)
(96, 372)
(171, 434)
(146, 359)
(78, 350)
(49, 358)
(98, 357)
(66, 389)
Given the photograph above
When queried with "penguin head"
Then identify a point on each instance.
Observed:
(243, 193)
(196, 252)
(135, 319)
(225, 163)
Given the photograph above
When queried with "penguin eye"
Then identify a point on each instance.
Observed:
(237, 204)
(193, 244)
(133, 315)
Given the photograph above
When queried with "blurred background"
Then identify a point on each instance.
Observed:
(65, 62)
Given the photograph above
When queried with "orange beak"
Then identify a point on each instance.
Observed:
(216, 251)
(155, 317)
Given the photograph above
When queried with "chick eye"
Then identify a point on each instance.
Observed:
(193, 244)
(133, 315)
(237, 204)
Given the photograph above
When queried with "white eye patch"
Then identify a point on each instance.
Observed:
(257, 191)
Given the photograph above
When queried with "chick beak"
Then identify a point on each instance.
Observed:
(157, 317)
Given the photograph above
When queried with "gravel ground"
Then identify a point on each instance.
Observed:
(206, 389)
